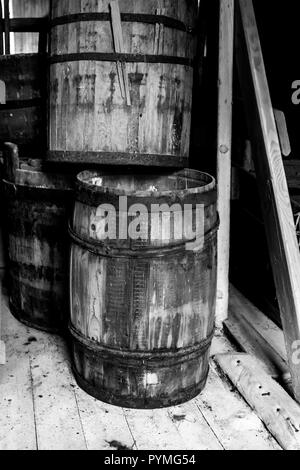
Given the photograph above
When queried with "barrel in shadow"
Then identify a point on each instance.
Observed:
(37, 211)
(143, 286)
(121, 79)
(23, 102)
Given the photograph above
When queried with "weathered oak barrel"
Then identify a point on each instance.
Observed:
(121, 80)
(37, 211)
(23, 102)
(143, 286)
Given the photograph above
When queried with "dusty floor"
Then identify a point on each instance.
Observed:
(41, 407)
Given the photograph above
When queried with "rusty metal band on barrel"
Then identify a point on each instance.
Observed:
(118, 57)
(125, 17)
(99, 248)
(165, 358)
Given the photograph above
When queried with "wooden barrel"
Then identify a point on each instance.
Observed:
(142, 308)
(121, 79)
(37, 211)
(23, 103)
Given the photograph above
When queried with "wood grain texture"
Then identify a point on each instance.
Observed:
(235, 425)
(89, 100)
(142, 311)
(224, 141)
(97, 426)
(279, 412)
(17, 421)
(36, 219)
(283, 132)
(267, 332)
(23, 113)
(28, 42)
(2, 344)
(277, 211)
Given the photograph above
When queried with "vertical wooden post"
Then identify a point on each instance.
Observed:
(224, 141)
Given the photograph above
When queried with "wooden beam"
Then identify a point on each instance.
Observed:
(224, 141)
(279, 412)
(258, 336)
(272, 183)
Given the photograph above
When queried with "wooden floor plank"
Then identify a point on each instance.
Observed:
(193, 428)
(62, 416)
(154, 430)
(17, 423)
(58, 421)
(279, 412)
(105, 427)
(233, 422)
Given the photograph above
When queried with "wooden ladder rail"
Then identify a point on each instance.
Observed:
(272, 183)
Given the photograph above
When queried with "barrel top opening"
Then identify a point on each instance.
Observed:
(41, 180)
(152, 184)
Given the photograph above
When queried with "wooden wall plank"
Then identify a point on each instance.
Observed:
(224, 153)
(277, 211)
(279, 412)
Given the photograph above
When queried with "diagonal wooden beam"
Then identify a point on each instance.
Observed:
(272, 183)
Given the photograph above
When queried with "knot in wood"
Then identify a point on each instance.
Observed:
(224, 149)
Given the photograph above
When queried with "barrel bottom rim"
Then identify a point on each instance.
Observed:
(118, 158)
(182, 396)
(18, 314)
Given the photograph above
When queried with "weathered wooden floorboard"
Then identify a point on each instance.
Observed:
(279, 412)
(105, 426)
(58, 422)
(236, 426)
(65, 417)
(17, 421)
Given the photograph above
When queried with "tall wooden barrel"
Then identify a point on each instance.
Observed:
(23, 102)
(142, 307)
(121, 80)
(37, 211)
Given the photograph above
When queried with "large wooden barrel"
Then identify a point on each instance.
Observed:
(121, 80)
(142, 310)
(37, 211)
(23, 103)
